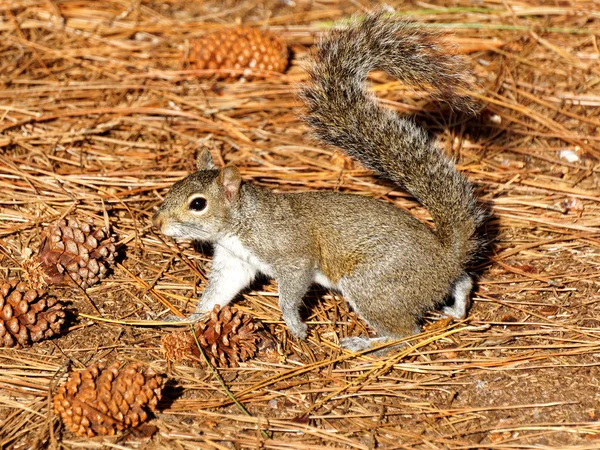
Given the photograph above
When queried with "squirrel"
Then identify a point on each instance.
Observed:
(389, 266)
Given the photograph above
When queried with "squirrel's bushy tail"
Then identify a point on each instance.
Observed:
(342, 112)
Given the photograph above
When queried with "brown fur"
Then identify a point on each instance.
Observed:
(389, 266)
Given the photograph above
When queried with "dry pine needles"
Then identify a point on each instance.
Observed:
(101, 113)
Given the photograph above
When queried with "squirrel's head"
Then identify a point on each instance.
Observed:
(199, 206)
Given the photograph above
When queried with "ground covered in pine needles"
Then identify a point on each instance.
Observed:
(99, 115)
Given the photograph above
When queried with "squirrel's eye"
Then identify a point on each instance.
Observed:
(198, 204)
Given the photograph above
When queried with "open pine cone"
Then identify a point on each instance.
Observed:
(27, 315)
(74, 252)
(102, 401)
(228, 337)
(239, 48)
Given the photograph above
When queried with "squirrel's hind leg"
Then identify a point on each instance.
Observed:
(390, 325)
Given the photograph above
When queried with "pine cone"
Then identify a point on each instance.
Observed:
(27, 315)
(102, 401)
(239, 48)
(227, 338)
(74, 252)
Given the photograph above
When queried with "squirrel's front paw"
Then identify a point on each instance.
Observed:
(299, 330)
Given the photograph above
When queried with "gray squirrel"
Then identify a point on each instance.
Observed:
(389, 266)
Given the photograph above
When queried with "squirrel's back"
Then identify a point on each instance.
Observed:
(343, 113)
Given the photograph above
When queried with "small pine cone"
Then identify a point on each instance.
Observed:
(102, 401)
(240, 48)
(74, 252)
(228, 337)
(27, 315)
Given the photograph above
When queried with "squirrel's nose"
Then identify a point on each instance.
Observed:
(157, 220)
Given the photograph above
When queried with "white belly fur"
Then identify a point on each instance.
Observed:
(321, 279)
(234, 246)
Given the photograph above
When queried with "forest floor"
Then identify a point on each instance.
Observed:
(99, 115)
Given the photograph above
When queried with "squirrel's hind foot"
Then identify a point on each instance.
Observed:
(358, 344)
(193, 318)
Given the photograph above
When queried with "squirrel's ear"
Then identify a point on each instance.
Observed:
(230, 179)
(204, 160)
